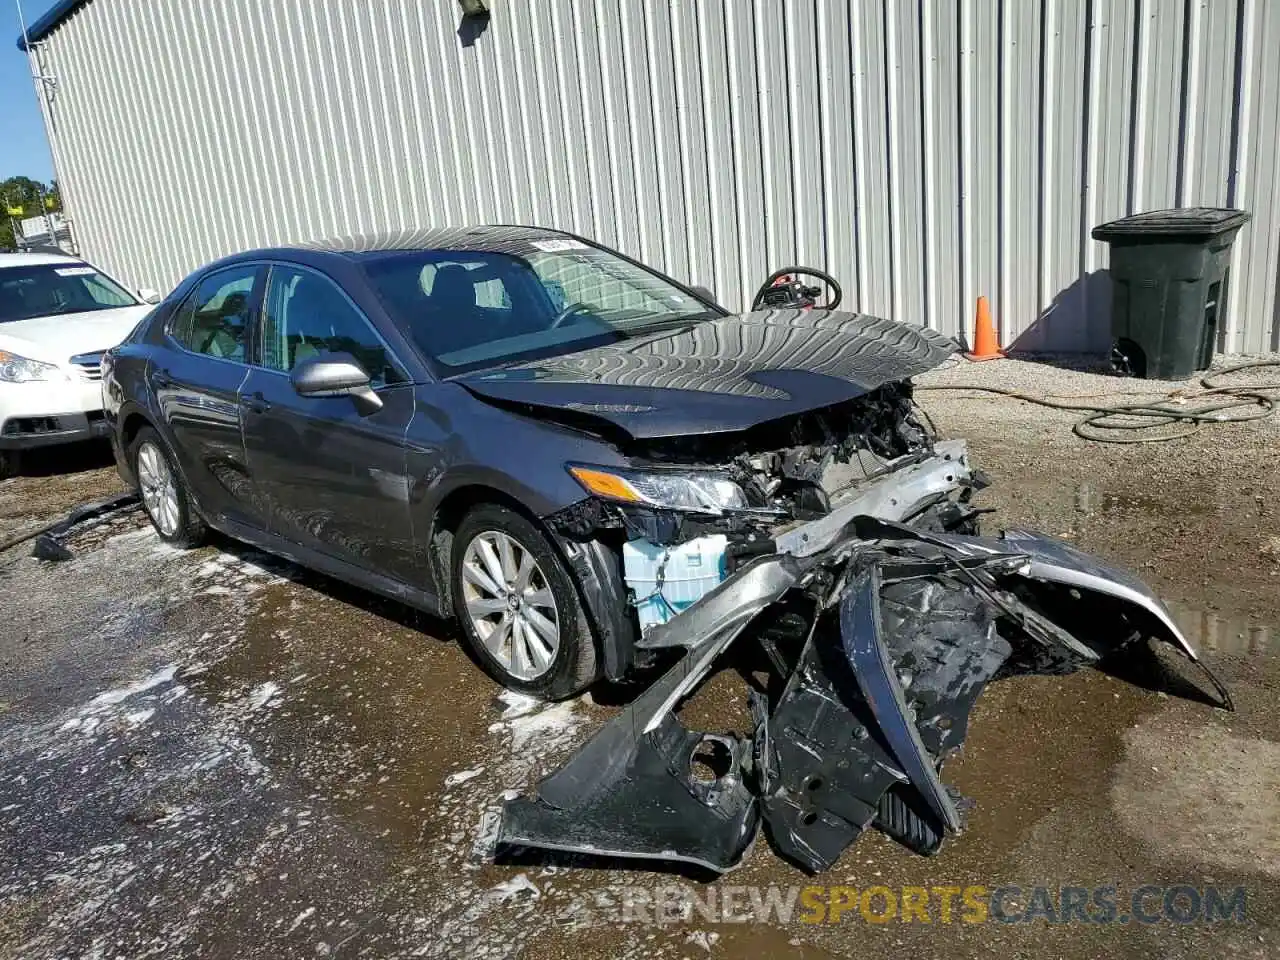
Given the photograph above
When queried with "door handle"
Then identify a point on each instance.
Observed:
(257, 403)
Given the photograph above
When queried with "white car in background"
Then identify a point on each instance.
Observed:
(58, 315)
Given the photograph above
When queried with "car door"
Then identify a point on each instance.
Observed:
(330, 477)
(197, 381)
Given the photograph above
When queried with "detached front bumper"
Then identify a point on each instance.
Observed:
(881, 637)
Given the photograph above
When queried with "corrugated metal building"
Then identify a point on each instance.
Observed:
(924, 151)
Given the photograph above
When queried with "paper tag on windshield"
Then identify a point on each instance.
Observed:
(559, 246)
(75, 271)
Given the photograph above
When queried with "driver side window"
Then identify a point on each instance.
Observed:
(305, 315)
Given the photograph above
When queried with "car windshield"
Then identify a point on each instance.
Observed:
(469, 310)
(50, 289)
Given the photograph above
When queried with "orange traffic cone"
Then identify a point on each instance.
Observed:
(986, 346)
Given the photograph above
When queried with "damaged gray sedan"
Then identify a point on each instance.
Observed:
(603, 474)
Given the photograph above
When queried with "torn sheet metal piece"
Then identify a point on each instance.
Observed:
(840, 759)
(875, 673)
(1048, 560)
(1051, 561)
(944, 552)
(659, 808)
(630, 792)
(1056, 561)
(824, 767)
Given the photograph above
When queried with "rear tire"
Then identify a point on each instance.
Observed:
(517, 606)
(164, 494)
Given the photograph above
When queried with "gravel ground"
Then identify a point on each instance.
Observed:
(214, 753)
(1088, 380)
(1213, 498)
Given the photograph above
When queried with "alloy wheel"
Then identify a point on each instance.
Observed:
(510, 604)
(159, 494)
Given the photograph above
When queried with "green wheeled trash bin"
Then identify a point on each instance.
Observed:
(1169, 273)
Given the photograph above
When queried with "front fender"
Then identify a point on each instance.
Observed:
(598, 571)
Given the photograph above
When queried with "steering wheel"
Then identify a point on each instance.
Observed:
(571, 310)
(792, 293)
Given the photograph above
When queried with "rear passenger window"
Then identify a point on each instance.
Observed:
(215, 320)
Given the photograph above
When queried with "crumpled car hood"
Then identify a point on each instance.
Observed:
(722, 375)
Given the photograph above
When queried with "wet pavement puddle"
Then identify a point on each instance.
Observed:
(1213, 632)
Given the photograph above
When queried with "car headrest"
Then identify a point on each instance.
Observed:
(453, 288)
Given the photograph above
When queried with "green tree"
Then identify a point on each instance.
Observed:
(30, 198)
(23, 192)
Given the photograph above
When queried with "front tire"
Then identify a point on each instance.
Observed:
(10, 463)
(518, 609)
(163, 493)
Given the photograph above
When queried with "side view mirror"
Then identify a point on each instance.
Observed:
(149, 295)
(336, 375)
(704, 292)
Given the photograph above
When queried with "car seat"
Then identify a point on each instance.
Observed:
(224, 335)
(308, 323)
(453, 318)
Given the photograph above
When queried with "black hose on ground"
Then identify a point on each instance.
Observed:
(1212, 403)
(78, 515)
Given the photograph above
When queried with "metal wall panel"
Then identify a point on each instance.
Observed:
(926, 152)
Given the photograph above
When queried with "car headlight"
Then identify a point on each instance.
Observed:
(16, 369)
(698, 491)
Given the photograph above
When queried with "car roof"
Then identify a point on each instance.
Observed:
(34, 259)
(494, 238)
(351, 248)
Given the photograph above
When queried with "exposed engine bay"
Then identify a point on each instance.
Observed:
(786, 472)
(843, 543)
(797, 468)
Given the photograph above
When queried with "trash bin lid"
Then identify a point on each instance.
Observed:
(1180, 222)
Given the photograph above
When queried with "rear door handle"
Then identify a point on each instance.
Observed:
(257, 403)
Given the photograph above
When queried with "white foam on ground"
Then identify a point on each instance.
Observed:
(462, 776)
(110, 698)
(266, 695)
(509, 889)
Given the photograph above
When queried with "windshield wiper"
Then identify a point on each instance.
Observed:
(686, 322)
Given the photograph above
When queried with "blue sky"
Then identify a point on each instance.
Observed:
(24, 151)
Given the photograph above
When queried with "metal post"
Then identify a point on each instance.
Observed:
(48, 219)
(43, 84)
